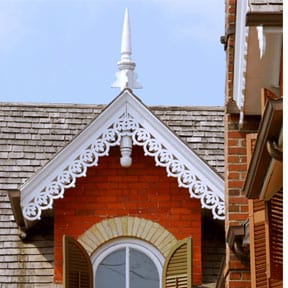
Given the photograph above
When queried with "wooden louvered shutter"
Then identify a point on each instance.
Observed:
(259, 243)
(258, 230)
(275, 207)
(177, 270)
(78, 271)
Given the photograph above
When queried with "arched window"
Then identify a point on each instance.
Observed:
(127, 263)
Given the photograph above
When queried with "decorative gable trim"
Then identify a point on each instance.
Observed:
(125, 116)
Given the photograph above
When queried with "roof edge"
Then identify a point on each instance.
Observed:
(126, 115)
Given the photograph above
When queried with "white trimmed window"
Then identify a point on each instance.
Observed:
(127, 263)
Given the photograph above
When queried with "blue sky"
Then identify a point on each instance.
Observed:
(66, 51)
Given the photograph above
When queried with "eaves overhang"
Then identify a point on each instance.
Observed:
(125, 116)
(259, 175)
(257, 56)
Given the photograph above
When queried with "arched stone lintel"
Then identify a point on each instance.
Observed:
(127, 226)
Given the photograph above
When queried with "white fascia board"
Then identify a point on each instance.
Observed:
(240, 53)
(63, 158)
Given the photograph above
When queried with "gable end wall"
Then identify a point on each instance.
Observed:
(142, 190)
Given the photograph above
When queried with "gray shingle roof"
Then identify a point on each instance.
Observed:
(31, 134)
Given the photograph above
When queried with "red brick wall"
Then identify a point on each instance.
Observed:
(230, 18)
(236, 203)
(236, 167)
(142, 190)
(238, 274)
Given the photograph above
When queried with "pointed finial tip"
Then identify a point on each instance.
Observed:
(126, 46)
(126, 77)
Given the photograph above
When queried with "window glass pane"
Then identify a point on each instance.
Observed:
(111, 271)
(143, 272)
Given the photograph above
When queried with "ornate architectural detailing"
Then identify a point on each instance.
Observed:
(261, 40)
(127, 226)
(125, 125)
(126, 77)
(126, 149)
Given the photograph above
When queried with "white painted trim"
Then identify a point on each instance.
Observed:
(126, 77)
(261, 40)
(170, 152)
(127, 243)
(240, 62)
(127, 266)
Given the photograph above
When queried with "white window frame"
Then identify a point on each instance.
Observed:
(129, 243)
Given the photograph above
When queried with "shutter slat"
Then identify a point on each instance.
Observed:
(276, 237)
(177, 268)
(258, 244)
(77, 266)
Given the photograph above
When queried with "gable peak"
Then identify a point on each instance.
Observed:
(126, 77)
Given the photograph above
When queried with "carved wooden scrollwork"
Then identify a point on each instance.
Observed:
(89, 156)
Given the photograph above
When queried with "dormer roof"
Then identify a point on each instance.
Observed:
(125, 115)
(125, 122)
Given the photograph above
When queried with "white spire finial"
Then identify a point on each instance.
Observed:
(126, 47)
(126, 77)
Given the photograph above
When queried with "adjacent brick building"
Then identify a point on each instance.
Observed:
(253, 45)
